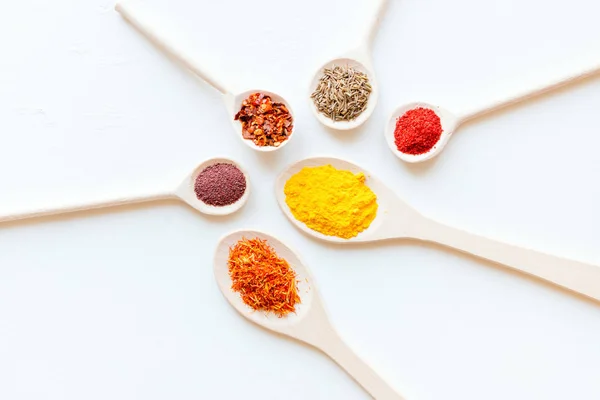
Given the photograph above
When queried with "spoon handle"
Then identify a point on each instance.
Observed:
(570, 274)
(528, 94)
(374, 26)
(149, 25)
(332, 345)
(66, 207)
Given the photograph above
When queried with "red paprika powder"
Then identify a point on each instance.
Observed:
(417, 131)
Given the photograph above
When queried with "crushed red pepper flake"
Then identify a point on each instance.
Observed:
(265, 281)
(263, 121)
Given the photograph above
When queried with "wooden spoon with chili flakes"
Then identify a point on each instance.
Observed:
(165, 36)
(309, 323)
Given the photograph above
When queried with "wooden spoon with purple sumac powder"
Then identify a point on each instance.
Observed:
(200, 190)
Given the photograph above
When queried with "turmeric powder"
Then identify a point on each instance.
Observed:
(331, 201)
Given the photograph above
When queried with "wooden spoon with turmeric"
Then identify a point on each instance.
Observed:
(397, 219)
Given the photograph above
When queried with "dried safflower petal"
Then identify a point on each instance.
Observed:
(264, 281)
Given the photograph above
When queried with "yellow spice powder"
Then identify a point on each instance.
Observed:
(331, 201)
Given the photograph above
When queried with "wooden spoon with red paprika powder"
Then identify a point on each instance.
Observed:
(309, 323)
(396, 219)
(165, 36)
(414, 135)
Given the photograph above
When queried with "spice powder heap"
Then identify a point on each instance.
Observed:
(265, 122)
(264, 281)
(220, 184)
(417, 131)
(342, 93)
(331, 201)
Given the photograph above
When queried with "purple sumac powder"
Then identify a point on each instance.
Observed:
(220, 185)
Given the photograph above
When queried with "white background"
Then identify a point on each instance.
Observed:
(122, 304)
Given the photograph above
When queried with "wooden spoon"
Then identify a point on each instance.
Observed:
(165, 35)
(359, 59)
(184, 192)
(309, 324)
(452, 121)
(396, 219)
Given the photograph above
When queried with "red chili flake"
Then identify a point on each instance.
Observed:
(417, 131)
(265, 122)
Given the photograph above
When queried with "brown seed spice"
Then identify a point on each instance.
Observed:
(342, 93)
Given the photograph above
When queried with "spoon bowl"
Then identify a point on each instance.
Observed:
(233, 104)
(365, 66)
(309, 324)
(186, 193)
(449, 124)
(390, 207)
(305, 285)
(396, 219)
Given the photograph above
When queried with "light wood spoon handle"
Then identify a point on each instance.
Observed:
(70, 207)
(374, 25)
(362, 373)
(162, 33)
(316, 330)
(570, 274)
(538, 90)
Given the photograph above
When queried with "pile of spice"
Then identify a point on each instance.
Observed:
(331, 201)
(264, 122)
(265, 281)
(342, 93)
(220, 184)
(417, 131)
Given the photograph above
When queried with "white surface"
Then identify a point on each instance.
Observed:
(308, 323)
(115, 304)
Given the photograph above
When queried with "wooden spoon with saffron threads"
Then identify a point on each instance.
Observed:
(361, 60)
(309, 324)
(451, 122)
(184, 192)
(166, 36)
(397, 219)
